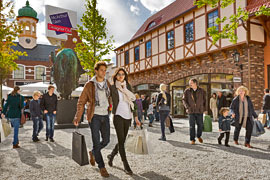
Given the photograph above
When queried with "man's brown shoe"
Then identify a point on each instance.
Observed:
(192, 142)
(200, 140)
(248, 145)
(92, 158)
(236, 143)
(16, 146)
(104, 172)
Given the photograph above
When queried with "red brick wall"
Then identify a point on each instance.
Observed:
(218, 65)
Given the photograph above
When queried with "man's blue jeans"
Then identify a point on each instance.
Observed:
(198, 119)
(15, 122)
(50, 119)
(267, 112)
(37, 126)
(100, 126)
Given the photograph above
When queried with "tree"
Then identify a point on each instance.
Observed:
(93, 33)
(231, 23)
(9, 30)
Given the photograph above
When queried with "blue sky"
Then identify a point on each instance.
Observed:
(124, 17)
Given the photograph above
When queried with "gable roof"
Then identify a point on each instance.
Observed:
(168, 13)
(39, 53)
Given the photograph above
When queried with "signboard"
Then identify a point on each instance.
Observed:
(59, 23)
(237, 79)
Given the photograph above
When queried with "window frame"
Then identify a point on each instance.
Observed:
(167, 40)
(125, 59)
(23, 72)
(35, 73)
(185, 33)
(135, 54)
(207, 16)
(146, 49)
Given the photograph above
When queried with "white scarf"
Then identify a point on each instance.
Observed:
(128, 95)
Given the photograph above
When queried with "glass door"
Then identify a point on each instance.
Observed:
(178, 109)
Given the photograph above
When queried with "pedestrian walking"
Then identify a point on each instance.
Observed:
(213, 106)
(224, 124)
(13, 111)
(139, 110)
(150, 114)
(145, 104)
(243, 112)
(221, 101)
(163, 106)
(124, 107)
(48, 105)
(194, 100)
(96, 93)
(156, 110)
(266, 106)
(36, 115)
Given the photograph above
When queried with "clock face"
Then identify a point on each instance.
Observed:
(28, 41)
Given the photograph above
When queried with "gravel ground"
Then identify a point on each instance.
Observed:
(173, 159)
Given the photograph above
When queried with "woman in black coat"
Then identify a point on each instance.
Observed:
(243, 112)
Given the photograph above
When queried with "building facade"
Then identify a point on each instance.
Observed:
(173, 46)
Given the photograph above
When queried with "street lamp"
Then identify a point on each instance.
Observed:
(236, 58)
(43, 76)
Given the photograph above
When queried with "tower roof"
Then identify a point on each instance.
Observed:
(27, 11)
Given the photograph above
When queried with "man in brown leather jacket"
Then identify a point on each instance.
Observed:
(194, 100)
(96, 93)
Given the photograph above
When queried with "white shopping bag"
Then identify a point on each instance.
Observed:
(137, 142)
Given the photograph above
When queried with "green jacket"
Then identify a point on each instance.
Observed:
(13, 106)
(115, 100)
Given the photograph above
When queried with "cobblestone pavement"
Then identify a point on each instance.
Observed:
(173, 159)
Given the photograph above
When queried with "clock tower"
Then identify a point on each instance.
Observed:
(27, 16)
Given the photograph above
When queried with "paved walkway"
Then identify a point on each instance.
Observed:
(174, 159)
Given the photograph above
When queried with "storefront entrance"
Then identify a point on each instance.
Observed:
(211, 83)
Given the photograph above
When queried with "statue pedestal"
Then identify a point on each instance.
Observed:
(66, 110)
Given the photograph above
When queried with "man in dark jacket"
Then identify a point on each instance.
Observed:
(194, 100)
(266, 106)
(221, 101)
(48, 105)
(36, 113)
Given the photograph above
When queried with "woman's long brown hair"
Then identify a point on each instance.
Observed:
(15, 90)
(117, 71)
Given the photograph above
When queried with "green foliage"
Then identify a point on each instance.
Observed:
(95, 42)
(229, 24)
(9, 30)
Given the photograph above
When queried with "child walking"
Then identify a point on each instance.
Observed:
(224, 123)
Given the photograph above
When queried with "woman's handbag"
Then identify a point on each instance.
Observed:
(23, 119)
(79, 150)
(168, 121)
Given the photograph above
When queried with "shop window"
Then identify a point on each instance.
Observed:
(202, 78)
(221, 78)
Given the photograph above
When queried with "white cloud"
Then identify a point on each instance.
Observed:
(154, 5)
(135, 10)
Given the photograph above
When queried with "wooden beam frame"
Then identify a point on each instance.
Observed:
(265, 27)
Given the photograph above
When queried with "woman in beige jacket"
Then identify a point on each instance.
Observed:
(213, 106)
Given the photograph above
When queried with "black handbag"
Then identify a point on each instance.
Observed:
(233, 122)
(79, 150)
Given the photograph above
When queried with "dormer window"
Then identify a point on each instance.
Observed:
(152, 24)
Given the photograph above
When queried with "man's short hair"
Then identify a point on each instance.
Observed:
(99, 64)
(194, 80)
(51, 87)
(266, 90)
